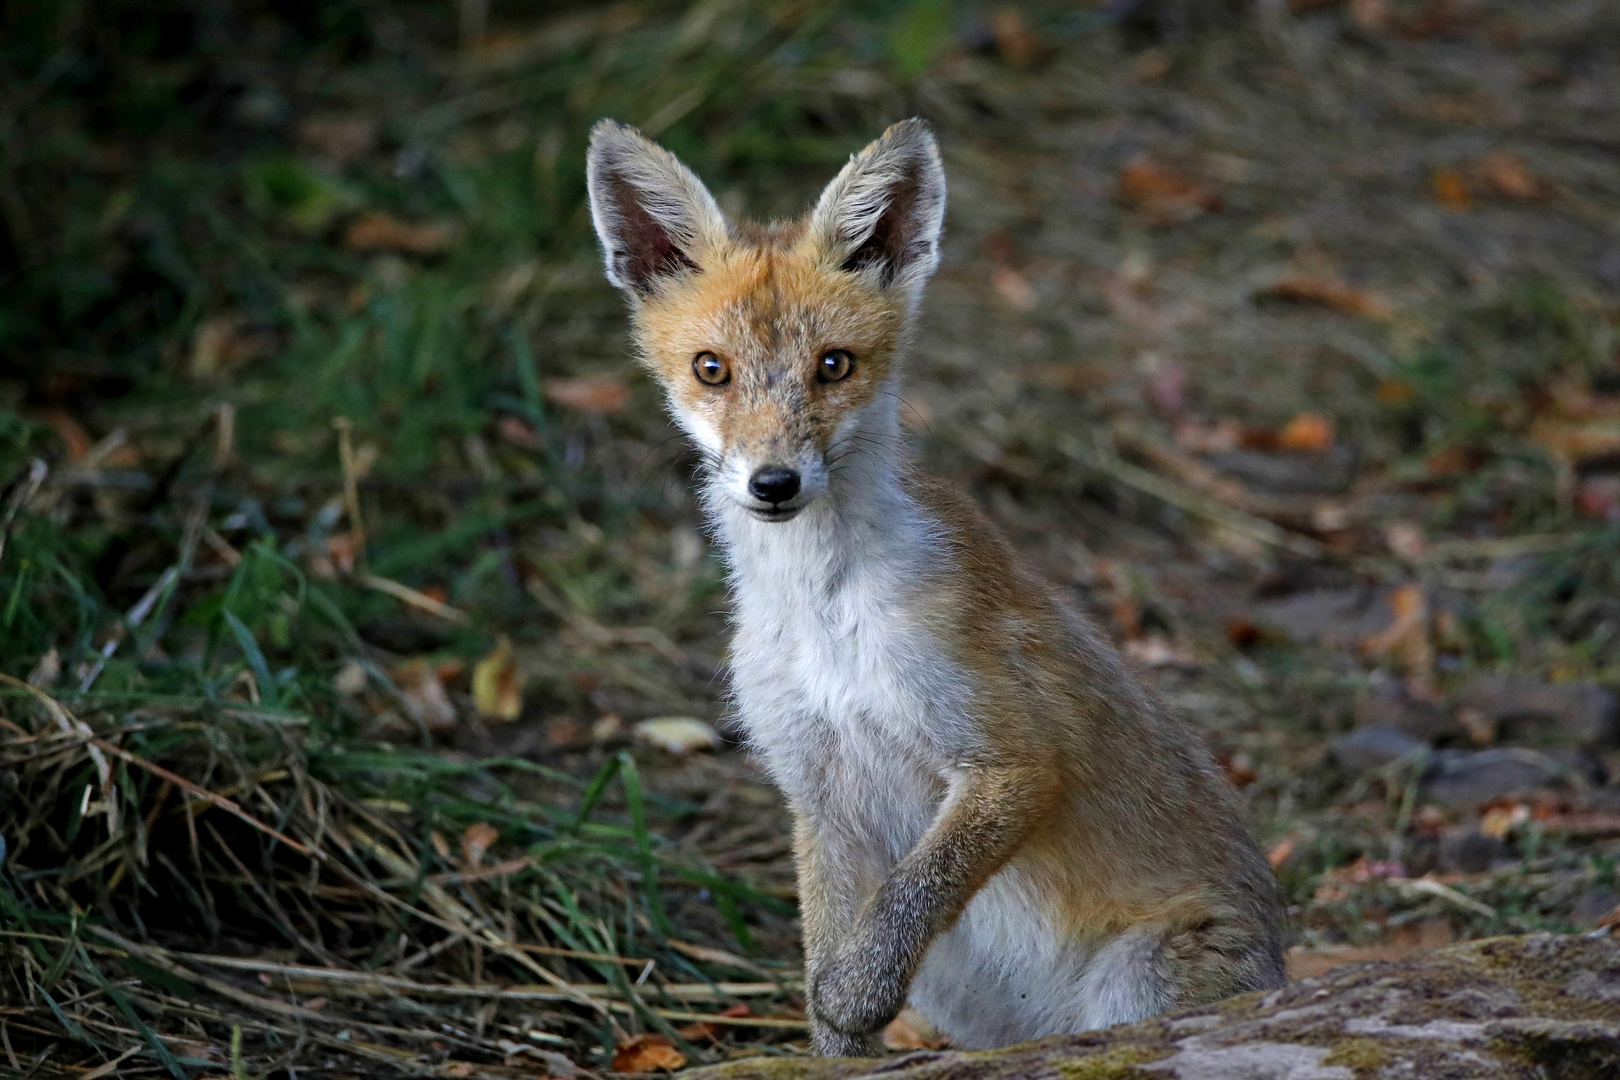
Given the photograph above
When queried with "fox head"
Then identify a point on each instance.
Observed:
(778, 347)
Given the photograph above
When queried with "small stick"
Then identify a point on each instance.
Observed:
(414, 598)
(21, 490)
(351, 489)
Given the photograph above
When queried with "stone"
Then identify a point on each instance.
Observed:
(1369, 748)
(1469, 851)
(1523, 1008)
(1466, 779)
(1386, 702)
(1528, 710)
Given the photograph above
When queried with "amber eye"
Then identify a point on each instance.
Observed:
(835, 364)
(710, 369)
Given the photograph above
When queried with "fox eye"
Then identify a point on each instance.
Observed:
(710, 369)
(835, 364)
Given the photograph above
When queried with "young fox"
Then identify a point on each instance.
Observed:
(992, 816)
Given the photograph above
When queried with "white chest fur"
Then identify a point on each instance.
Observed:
(843, 690)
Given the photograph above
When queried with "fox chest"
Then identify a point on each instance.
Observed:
(857, 713)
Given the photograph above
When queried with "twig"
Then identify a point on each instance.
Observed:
(72, 725)
(1431, 887)
(1166, 490)
(20, 491)
(415, 599)
(462, 920)
(351, 489)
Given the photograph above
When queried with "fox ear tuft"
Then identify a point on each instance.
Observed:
(653, 217)
(882, 215)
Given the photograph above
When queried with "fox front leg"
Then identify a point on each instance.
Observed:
(826, 904)
(987, 813)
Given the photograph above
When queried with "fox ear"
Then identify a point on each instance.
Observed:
(653, 217)
(881, 216)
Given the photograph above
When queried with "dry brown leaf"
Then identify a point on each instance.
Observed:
(1015, 41)
(1329, 293)
(1395, 392)
(338, 137)
(1598, 497)
(1307, 432)
(1282, 852)
(223, 342)
(1451, 190)
(1406, 640)
(1506, 176)
(74, 438)
(912, 1031)
(519, 432)
(1499, 820)
(1014, 288)
(475, 842)
(497, 683)
(648, 1053)
(600, 394)
(1577, 440)
(424, 694)
(1164, 196)
(379, 231)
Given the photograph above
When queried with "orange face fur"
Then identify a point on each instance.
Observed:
(778, 347)
(771, 312)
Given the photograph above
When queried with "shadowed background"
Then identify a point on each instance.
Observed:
(362, 654)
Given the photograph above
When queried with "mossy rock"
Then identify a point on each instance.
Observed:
(1537, 1007)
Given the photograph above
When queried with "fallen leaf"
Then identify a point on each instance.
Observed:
(1329, 293)
(600, 394)
(678, 735)
(1150, 66)
(74, 438)
(1405, 540)
(912, 1031)
(1598, 497)
(1577, 440)
(607, 726)
(475, 841)
(1239, 769)
(1370, 16)
(1282, 852)
(1501, 819)
(338, 137)
(223, 342)
(1395, 392)
(1506, 176)
(1451, 190)
(1163, 196)
(379, 231)
(350, 678)
(1015, 41)
(441, 846)
(425, 695)
(497, 683)
(1014, 288)
(519, 433)
(647, 1053)
(1406, 640)
(1308, 432)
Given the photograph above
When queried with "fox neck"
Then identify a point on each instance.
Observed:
(867, 517)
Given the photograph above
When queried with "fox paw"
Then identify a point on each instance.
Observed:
(857, 993)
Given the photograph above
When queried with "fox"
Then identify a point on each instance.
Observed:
(994, 819)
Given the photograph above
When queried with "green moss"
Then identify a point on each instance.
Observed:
(1363, 1056)
(1119, 1063)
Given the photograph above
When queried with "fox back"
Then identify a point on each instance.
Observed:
(992, 815)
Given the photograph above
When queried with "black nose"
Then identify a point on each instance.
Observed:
(774, 484)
